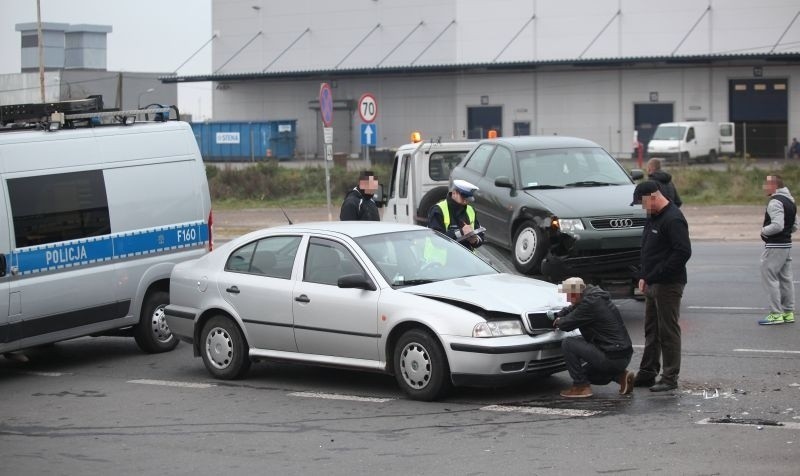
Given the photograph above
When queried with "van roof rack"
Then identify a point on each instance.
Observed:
(76, 113)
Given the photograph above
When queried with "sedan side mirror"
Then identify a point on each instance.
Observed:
(503, 182)
(355, 281)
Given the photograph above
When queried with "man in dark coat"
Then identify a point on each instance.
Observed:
(664, 179)
(665, 251)
(359, 204)
(602, 352)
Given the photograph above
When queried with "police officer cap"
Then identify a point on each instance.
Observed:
(466, 189)
(572, 286)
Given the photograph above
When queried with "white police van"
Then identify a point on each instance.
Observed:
(93, 217)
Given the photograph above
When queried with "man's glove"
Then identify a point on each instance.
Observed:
(552, 315)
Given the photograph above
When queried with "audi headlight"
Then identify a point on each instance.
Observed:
(570, 224)
(497, 329)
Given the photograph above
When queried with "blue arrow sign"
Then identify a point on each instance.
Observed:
(369, 134)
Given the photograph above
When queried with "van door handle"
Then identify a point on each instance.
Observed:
(302, 298)
(394, 207)
(406, 209)
(233, 290)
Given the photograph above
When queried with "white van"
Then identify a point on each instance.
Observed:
(92, 221)
(692, 140)
(420, 178)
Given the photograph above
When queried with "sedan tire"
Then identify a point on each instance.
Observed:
(528, 248)
(420, 366)
(224, 350)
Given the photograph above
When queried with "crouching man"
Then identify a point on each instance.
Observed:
(603, 350)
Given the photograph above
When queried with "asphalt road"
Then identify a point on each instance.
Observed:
(99, 406)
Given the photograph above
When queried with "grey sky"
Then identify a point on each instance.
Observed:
(148, 36)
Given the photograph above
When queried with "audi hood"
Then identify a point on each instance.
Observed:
(500, 292)
(578, 202)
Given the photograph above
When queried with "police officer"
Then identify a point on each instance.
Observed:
(454, 216)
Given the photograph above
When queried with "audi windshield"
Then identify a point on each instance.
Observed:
(565, 168)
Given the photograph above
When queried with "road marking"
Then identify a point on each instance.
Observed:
(171, 383)
(728, 308)
(789, 425)
(572, 412)
(768, 351)
(336, 396)
(43, 374)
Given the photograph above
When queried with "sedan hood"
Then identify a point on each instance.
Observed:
(495, 292)
(579, 202)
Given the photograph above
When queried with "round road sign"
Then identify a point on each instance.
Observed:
(326, 104)
(368, 108)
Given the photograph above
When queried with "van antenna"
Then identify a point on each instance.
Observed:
(287, 216)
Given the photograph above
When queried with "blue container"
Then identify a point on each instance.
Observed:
(246, 141)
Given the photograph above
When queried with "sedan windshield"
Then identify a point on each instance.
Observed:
(410, 258)
(669, 133)
(578, 167)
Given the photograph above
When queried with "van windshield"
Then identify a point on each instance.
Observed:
(577, 167)
(669, 133)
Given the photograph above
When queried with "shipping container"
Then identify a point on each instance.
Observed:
(246, 141)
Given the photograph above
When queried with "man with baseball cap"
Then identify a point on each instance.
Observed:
(665, 250)
(602, 352)
(455, 217)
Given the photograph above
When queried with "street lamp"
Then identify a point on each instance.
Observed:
(139, 100)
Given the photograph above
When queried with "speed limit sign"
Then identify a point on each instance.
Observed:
(368, 108)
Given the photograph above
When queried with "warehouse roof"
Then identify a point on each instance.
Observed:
(612, 62)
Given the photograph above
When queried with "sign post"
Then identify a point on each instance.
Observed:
(368, 110)
(326, 112)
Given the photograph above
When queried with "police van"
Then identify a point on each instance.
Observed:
(96, 207)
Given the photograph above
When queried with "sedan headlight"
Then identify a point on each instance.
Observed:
(497, 329)
(570, 224)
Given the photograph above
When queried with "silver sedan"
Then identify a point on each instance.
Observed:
(398, 299)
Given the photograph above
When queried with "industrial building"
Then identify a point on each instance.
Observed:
(598, 69)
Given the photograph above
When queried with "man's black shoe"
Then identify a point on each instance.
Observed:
(663, 387)
(642, 381)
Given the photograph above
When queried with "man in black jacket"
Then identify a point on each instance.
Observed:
(603, 350)
(358, 204)
(664, 180)
(665, 251)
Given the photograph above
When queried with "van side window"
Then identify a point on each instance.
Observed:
(441, 164)
(59, 207)
(403, 185)
(690, 134)
(477, 161)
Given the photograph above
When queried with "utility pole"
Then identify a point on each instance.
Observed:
(39, 41)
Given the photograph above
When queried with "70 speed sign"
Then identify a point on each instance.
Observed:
(368, 108)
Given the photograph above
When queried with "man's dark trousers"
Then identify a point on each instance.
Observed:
(662, 332)
(599, 369)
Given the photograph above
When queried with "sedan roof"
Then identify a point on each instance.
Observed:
(354, 229)
(541, 142)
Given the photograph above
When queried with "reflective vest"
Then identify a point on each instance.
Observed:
(446, 214)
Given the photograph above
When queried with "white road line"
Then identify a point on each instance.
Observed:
(44, 374)
(172, 383)
(336, 396)
(768, 351)
(728, 308)
(789, 425)
(572, 412)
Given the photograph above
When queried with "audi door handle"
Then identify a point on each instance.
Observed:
(233, 290)
(302, 298)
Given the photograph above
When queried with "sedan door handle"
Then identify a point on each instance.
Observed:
(233, 290)
(302, 298)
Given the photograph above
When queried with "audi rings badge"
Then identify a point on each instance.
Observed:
(620, 222)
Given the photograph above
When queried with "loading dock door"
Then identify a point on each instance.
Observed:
(646, 117)
(762, 105)
(480, 120)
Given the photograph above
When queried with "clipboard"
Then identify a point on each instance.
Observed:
(474, 232)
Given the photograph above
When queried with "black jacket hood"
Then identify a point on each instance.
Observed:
(661, 176)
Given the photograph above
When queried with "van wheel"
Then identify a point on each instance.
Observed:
(528, 248)
(152, 333)
(712, 156)
(430, 199)
(420, 366)
(224, 350)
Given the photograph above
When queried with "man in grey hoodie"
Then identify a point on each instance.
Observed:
(776, 261)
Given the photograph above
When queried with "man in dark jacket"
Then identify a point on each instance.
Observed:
(455, 217)
(358, 204)
(664, 180)
(603, 350)
(665, 251)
